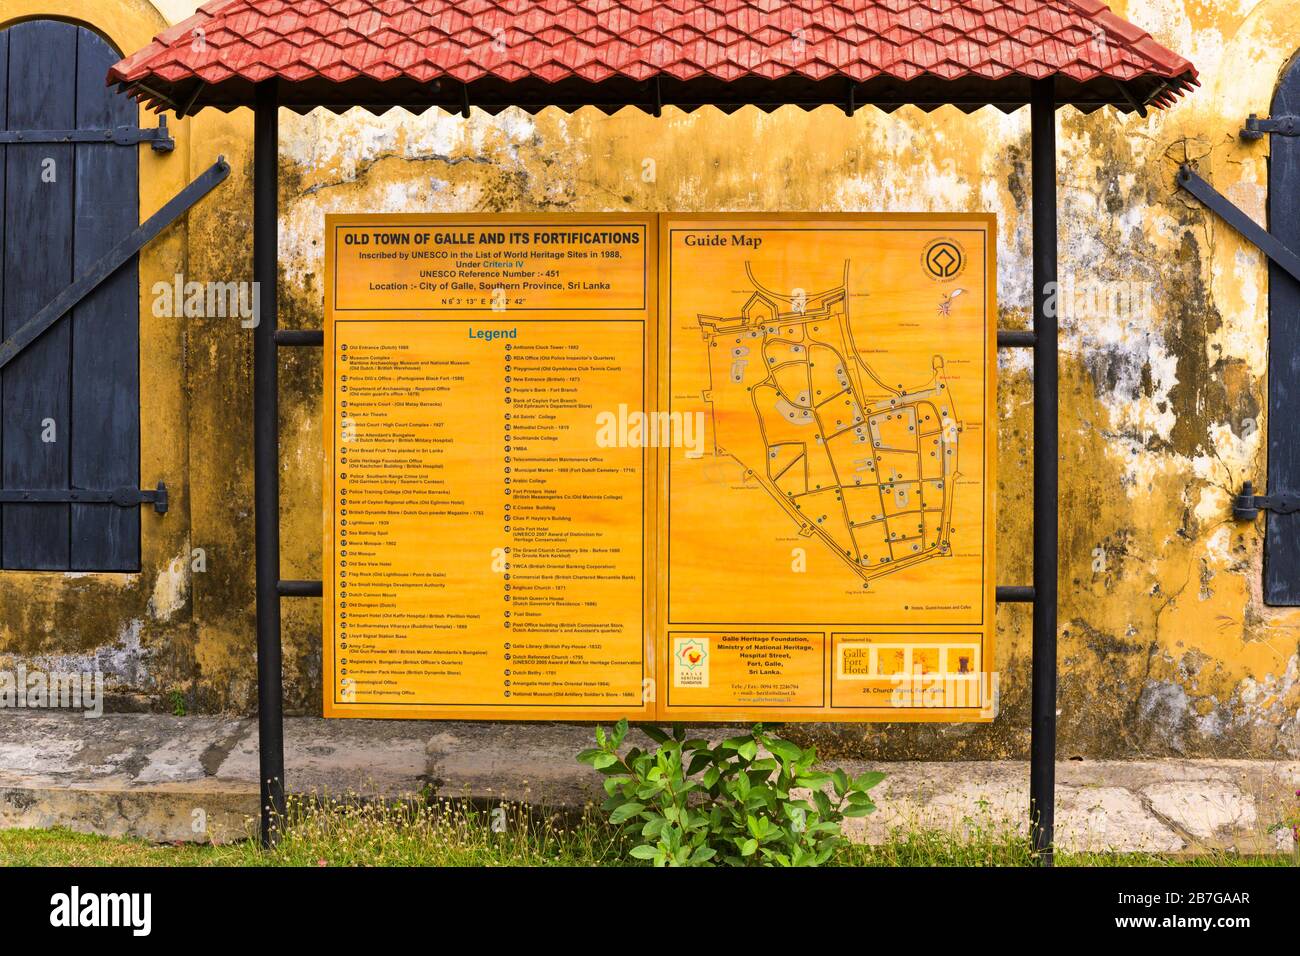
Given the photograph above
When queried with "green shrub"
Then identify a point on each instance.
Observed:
(686, 803)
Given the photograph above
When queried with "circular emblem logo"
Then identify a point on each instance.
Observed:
(944, 259)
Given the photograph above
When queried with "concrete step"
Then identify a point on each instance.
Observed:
(169, 778)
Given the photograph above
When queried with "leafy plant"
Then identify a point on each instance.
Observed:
(176, 701)
(687, 803)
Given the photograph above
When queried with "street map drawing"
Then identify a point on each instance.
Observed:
(867, 467)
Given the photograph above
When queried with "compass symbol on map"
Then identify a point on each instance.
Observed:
(945, 304)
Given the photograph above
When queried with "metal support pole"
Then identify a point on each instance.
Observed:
(1042, 745)
(266, 464)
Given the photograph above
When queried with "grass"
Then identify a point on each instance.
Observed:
(351, 833)
(941, 849)
(454, 833)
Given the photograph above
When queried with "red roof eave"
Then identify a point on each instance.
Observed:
(594, 41)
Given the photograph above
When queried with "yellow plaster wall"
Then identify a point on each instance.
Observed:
(1166, 645)
(136, 628)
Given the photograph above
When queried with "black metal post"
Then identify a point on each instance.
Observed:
(1042, 745)
(266, 464)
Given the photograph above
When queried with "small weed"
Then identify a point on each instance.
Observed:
(176, 703)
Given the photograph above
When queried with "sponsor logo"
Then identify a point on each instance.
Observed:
(690, 662)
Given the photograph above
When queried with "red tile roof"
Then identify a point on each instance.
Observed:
(612, 52)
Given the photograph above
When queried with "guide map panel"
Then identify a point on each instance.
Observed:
(826, 534)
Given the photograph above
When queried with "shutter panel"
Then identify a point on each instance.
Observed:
(80, 377)
(37, 264)
(105, 326)
(1282, 541)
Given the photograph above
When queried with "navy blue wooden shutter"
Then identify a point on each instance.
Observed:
(64, 207)
(1282, 542)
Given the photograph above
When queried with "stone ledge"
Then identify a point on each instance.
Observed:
(153, 776)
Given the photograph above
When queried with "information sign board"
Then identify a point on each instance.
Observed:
(681, 467)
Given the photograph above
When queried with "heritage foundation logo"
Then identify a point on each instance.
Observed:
(690, 662)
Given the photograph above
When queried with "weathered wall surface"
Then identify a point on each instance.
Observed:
(130, 627)
(1166, 645)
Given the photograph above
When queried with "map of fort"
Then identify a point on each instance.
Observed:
(865, 467)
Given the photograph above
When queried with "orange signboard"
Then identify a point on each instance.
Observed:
(663, 467)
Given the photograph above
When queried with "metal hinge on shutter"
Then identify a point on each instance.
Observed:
(66, 300)
(1247, 505)
(158, 138)
(127, 497)
(1257, 128)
